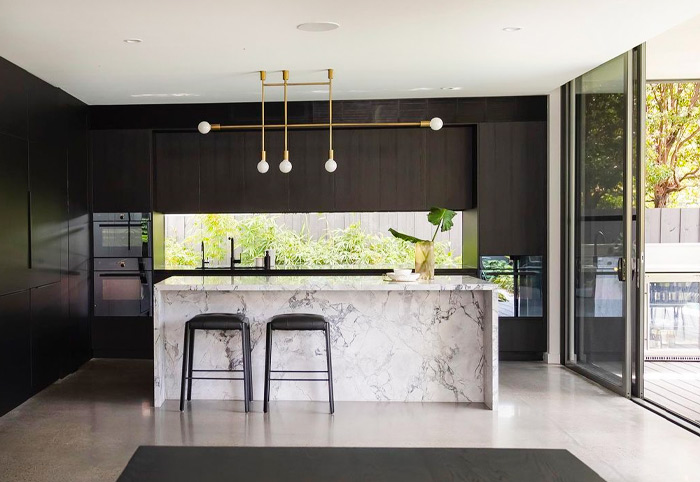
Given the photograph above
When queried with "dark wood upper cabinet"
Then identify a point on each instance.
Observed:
(221, 172)
(401, 159)
(121, 170)
(358, 178)
(267, 192)
(177, 174)
(311, 187)
(512, 176)
(449, 163)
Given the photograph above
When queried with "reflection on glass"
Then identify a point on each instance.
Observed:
(673, 326)
(599, 295)
(519, 279)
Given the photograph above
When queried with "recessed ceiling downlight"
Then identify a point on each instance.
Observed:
(450, 88)
(512, 29)
(132, 40)
(318, 26)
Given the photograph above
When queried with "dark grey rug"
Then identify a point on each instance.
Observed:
(331, 464)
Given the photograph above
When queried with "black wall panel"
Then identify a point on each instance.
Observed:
(47, 322)
(13, 100)
(14, 211)
(15, 346)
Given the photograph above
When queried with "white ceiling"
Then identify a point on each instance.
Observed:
(213, 49)
(675, 54)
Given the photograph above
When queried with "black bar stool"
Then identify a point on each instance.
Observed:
(298, 322)
(218, 322)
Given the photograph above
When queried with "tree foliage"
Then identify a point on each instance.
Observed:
(673, 144)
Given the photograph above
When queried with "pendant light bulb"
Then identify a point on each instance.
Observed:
(436, 123)
(263, 166)
(331, 165)
(204, 127)
(285, 166)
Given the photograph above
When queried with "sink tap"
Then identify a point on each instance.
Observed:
(234, 261)
(204, 260)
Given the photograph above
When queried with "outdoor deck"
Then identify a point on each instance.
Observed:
(675, 386)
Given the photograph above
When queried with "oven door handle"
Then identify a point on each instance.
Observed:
(118, 225)
(121, 275)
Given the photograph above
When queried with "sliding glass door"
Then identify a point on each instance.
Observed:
(601, 288)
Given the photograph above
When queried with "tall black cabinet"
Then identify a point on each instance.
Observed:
(44, 240)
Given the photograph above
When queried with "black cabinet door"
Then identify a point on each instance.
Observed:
(14, 241)
(176, 171)
(48, 209)
(15, 350)
(121, 170)
(47, 335)
(512, 188)
(267, 192)
(357, 179)
(13, 100)
(450, 167)
(221, 183)
(402, 169)
(311, 187)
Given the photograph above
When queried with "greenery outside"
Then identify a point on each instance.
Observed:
(254, 234)
(673, 144)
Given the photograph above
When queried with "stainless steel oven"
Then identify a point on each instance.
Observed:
(122, 287)
(122, 235)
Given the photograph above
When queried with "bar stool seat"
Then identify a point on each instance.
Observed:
(298, 322)
(221, 322)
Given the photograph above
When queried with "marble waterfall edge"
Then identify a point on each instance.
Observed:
(426, 342)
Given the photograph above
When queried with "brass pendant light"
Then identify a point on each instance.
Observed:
(285, 166)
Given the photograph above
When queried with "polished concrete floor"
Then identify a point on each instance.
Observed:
(87, 426)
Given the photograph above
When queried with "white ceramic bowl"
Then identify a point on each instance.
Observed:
(402, 272)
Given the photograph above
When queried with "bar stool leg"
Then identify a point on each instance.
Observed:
(189, 363)
(330, 369)
(185, 348)
(246, 369)
(268, 360)
(249, 352)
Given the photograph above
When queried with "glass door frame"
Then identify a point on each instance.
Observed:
(633, 242)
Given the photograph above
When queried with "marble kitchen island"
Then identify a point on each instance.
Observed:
(423, 341)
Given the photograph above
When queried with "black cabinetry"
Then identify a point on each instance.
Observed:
(121, 170)
(512, 188)
(14, 211)
(48, 335)
(15, 350)
(380, 169)
(177, 173)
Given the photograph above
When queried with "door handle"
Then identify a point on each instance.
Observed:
(621, 269)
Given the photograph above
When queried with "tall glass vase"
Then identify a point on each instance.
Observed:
(425, 260)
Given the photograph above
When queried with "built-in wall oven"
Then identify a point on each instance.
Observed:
(122, 235)
(123, 266)
(123, 287)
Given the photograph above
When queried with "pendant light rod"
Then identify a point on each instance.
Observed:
(323, 125)
(285, 77)
(330, 113)
(263, 74)
(293, 84)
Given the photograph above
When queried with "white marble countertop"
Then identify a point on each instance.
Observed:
(318, 283)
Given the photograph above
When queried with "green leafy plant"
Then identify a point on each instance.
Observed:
(439, 217)
(351, 246)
